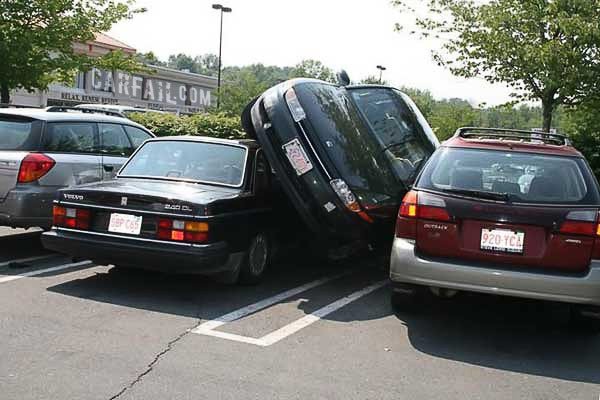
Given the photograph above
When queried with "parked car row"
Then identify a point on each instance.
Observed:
(42, 151)
(496, 211)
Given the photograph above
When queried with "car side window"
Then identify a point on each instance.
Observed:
(136, 135)
(114, 140)
(71, 137)
(262, 173)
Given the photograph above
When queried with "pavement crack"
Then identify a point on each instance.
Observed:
(151, 366)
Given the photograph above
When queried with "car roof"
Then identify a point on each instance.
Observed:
(43, 115)
(249, 143)
(503, 141)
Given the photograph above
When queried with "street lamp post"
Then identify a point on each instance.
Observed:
(223, 10)
(381, 68)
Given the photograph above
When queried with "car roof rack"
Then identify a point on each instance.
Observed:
(512, 134)
(111, 113)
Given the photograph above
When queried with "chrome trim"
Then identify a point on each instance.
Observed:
(200, 246)
(165, 178)
(130, 210)
(314, 151)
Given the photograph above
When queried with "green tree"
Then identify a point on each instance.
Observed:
(207, 64)
(37, 36)
(313, 69)
(373, 80)
(546, 50)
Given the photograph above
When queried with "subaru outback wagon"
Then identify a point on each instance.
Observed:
(43, 150)
(503, 212)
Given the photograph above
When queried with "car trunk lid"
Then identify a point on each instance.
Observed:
(524, 236)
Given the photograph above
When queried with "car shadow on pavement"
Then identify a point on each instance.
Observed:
(200, 297)
(516, 335)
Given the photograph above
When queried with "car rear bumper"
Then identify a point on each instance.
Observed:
(408, 267)
(28, 206)
(153, 255)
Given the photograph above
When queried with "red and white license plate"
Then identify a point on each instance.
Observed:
(125, 223)
(504, 240)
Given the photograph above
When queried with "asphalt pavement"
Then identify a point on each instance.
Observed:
(75, 330)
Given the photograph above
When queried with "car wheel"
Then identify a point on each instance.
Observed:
(585, 318)
(406, 297)
(256, 261)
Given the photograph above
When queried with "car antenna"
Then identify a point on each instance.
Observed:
(343, 78)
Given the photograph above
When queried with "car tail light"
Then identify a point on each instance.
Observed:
(417, 206)
(75, 218)
(182, 231)
(345, 194)
(34, 166)
(583, 222)
(294, 105)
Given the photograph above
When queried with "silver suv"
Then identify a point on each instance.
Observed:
(42, 151)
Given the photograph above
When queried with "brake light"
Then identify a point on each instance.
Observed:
(182, 231)
(423, 206)
(417, 206)
(294, 105)
(34, 166)
(345, 194)
(583, 222)
(75, 218)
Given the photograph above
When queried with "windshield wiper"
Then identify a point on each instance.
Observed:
(482, 194)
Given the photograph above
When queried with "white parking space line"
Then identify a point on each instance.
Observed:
(252, 308)
(26, 260)
(10, 278)
(288, 330)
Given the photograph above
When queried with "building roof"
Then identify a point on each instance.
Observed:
(102, 39)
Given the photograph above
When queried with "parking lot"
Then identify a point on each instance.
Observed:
(74, 330)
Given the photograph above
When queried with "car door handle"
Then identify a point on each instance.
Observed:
(109, 168)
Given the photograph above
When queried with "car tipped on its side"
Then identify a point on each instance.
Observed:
(346, 155)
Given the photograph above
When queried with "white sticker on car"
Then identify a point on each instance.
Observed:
(297, 157)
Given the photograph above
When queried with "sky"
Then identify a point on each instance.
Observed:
(351, 34)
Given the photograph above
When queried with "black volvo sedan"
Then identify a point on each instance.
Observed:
(346, 155)
(180, 204)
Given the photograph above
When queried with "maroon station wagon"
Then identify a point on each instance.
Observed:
(503, 212)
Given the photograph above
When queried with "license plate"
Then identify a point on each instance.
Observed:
(297, 157)
(502, 240)
(125, 223)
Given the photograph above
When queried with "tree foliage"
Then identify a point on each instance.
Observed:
(37, 36)
(546, 50)
(214, 125)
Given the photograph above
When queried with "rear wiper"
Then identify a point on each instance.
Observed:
(482, 194)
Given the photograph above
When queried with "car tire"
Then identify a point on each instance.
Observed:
(585, 319)
(256, 260)
(406, 297)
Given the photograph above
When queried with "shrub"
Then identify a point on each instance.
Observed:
(213, 125)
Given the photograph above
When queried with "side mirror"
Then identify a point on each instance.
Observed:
(343, 78)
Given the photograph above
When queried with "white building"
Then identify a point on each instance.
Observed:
(162, 89)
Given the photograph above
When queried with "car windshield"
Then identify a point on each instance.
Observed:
(511, 176)
(183, 160)
(14, 133)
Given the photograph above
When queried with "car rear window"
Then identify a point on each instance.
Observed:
(17, 133)
(366, 155)
(181, 160)
(523, 177)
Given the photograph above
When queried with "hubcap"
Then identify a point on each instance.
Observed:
(258, 255)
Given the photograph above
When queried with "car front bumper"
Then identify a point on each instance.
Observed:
(407, 266)
(29, 206)
(107, 249)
